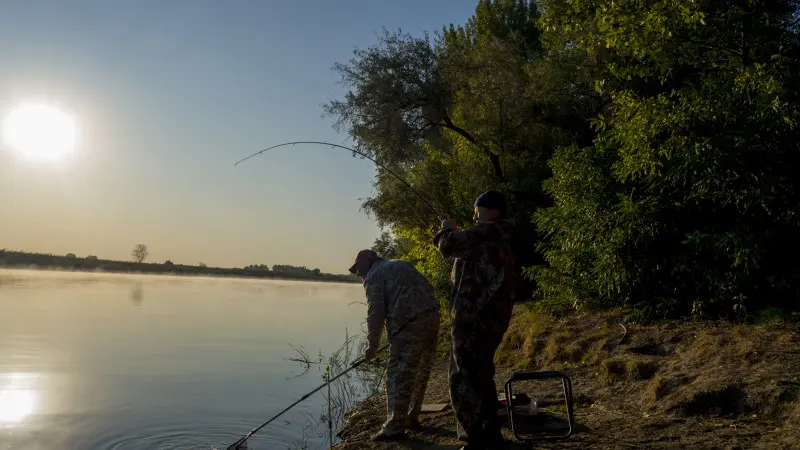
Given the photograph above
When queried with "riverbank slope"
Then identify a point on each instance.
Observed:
(678, 384)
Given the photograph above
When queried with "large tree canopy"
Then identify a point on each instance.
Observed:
(652, 144)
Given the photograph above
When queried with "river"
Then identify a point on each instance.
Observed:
(109, 361)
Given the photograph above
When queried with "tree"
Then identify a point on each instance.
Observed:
(140, 253)
(653, 144)
(686, 200)
(478, 107)
(386, 246)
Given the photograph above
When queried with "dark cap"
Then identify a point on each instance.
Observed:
(492, 199)
(362, 255)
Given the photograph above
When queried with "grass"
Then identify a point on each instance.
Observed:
(785, 339)
(595, 352)
(613, 369)
(521, 342)
(794, 417)
(728, 401)
(658, 388)
(537, 339)
(346, 392)
(561, 410)
(627, 368)
(641, 370)
(660, 374)
(555, 349)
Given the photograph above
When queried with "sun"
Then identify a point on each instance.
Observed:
(40, 131)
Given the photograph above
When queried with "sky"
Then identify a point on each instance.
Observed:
(167, 96)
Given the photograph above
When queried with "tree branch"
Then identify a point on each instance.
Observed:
(493, 157)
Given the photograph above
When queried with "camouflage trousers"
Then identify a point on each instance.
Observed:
(476, 335)
(411, 356)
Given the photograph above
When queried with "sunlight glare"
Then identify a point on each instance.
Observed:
(15, 405)
(16, 396)
(40, 131)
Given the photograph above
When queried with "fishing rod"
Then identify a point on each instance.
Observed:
(236, 445)
(358, 153)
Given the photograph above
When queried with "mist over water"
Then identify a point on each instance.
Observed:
(101, 361)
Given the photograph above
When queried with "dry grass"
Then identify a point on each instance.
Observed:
(641, 370)
(667, 385)
(559, 348)
(539, 340)
(613, 369)
(627, 368)
(522, 342)
(785, 339)
(658, 387)
(794, 417)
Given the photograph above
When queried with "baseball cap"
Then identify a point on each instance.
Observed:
(363, 254)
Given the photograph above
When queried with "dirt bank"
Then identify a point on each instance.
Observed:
(671, 385)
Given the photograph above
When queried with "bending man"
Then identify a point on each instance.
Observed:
(480, 312)
(402, 300)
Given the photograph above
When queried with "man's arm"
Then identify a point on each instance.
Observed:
(376, 313)
(458, 243)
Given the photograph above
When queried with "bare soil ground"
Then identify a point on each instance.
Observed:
(672, 385)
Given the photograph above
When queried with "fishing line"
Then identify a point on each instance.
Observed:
(242, 441)
(424, 200)
(236, 445)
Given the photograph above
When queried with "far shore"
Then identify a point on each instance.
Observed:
(71, 263)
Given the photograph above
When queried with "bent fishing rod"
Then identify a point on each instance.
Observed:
(358, 153)
(236, 445)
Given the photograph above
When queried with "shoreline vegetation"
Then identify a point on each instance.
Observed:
(10, 259)
(346, 394)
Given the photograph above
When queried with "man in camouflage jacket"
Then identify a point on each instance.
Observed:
(480, 312)
(400, 297)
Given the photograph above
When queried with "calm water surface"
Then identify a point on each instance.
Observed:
(101, 361)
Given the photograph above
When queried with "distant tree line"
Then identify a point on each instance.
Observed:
(17, 259)
(285, 268)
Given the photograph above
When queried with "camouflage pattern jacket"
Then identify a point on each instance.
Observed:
(483, 270)
(396, 294)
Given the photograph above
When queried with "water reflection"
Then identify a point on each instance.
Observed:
(17, 398)
(136, 294)
(203, 362)
(8, 280)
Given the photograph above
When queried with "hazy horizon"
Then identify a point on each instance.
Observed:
(15, 265)
(168, 96)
